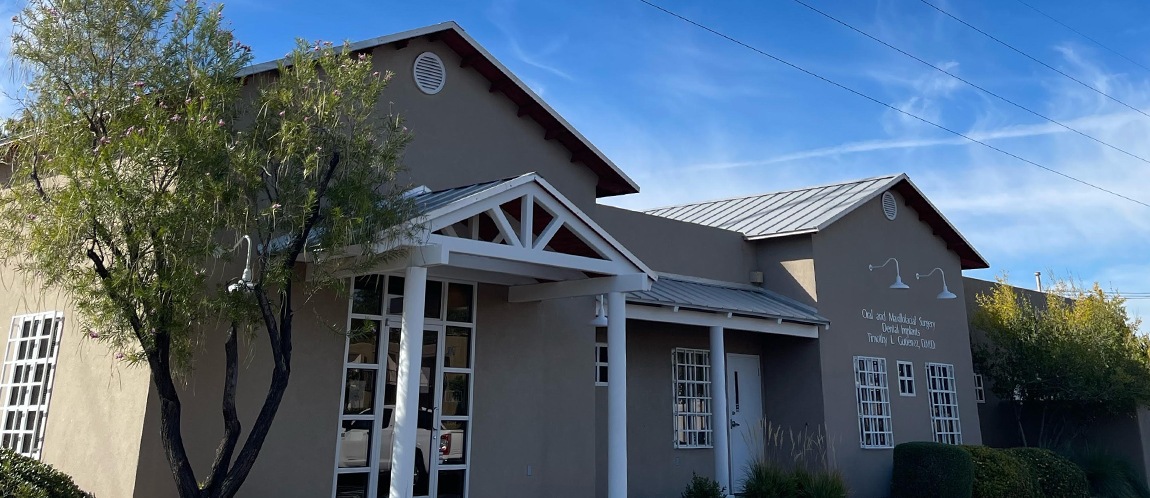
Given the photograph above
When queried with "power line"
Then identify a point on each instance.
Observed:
(1079, 33)
(959, 78)
(1028, 56)
(885, 104)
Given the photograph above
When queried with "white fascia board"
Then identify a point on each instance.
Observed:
(702, 319)
(545, 258)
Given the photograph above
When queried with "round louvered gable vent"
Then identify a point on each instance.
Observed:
(889, 206)
(429, 73)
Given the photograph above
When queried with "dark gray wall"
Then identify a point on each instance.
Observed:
(845, 289)
(677, 247)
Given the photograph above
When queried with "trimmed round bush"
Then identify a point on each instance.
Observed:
(999, 474)
(931, 469)
(1056, 476)
(23, 477)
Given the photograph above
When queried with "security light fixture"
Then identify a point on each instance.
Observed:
(946, 293)
(245, 281)
(897, 275)
(600, 319)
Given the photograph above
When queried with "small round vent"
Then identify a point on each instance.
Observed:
(429, 73)
(889, 205)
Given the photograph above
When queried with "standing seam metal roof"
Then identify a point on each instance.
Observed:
(778, 213)
(725, 298)
(809, 210)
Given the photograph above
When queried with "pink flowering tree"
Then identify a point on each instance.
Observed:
(140, 159)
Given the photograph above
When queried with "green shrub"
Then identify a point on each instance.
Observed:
(23, 477)
(999, 474)
(931, 469)
(764, 480)
(819, 484)
(1110, 476)
(1056, 476)
(703, 487)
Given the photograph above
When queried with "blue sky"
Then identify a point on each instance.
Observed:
(691, 116)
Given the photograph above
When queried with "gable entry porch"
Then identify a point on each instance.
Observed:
(520, 233)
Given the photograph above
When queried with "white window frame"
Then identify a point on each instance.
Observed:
(601, 375)
(979, 389)
(692, 401)
(944, 417)
(872, 394)
(906, 379)
(32, 356)
(391, 322)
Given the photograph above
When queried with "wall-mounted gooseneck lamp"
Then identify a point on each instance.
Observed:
(897, 274)
(946, 293)
(600, 319)
(245, 282)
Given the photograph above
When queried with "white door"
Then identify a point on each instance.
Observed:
(745, 402)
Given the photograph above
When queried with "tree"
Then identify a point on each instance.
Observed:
(1064, 360)
(140, 157)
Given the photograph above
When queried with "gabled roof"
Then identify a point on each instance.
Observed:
(612, 180)
(551, 228)
(724, 297)
(809, 210)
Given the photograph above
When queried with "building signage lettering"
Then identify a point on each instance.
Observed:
(899, 329)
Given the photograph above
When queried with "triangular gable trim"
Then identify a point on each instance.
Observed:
(458, 223)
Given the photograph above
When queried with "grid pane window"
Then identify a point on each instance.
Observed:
(873, 398)
(943, 403)
(26, 385)
(979, 390)
(600, 363)
(692, 373)
(905, 378)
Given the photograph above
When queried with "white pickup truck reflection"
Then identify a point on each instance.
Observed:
(355, 440)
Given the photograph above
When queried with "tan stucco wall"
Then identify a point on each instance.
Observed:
(788, 267)
(466, 134)
(97, 406)
(845, 288)
(534, 398)
(698, 250)
(298, 458)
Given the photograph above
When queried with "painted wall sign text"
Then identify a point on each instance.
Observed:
(899, 329)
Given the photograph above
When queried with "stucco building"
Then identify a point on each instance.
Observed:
(838, 308)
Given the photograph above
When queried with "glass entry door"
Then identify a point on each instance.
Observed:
(443, 437)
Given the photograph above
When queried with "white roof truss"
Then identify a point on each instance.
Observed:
(525, 227)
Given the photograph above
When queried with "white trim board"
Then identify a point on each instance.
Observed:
(703, 319)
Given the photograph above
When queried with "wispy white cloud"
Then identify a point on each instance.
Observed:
(500, 15)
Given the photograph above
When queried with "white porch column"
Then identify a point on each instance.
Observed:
(617, 395)
(721, 416)
(407, 384)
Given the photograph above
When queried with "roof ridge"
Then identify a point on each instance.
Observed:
(776, 192)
